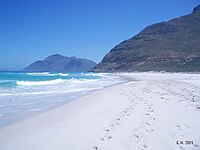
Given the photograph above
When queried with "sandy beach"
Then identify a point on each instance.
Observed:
(152, 111)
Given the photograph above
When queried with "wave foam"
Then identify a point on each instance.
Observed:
(36, 83)
(38, 73)
(78, 81)
(96, 74)
(63, 74)
(47, 74)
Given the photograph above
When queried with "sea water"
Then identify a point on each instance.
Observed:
(26, 93)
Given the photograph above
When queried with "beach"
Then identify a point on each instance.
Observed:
(151, 111)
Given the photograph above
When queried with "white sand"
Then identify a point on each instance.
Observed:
(152, 113)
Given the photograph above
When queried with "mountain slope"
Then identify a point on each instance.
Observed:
(167, 46)
(59, 63)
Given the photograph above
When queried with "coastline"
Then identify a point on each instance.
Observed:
(152, 112)
(33, 98)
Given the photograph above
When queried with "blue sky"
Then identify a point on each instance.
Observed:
(33, 29)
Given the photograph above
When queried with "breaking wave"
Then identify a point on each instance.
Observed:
(35, 83)
(47, 74)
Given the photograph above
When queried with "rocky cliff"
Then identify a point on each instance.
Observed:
(167, 46)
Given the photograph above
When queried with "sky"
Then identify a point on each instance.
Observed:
(31, 30)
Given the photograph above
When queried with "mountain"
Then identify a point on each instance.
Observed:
(59, 63)
(172, 46)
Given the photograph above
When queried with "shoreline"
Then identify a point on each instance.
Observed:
(130, 115)
(64, 100)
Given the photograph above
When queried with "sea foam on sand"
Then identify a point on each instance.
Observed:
(155, 111)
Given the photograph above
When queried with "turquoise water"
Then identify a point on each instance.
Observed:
(12, 79)
(26, 93)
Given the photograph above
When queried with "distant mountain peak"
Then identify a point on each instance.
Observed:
(60, 63)
(54, 56)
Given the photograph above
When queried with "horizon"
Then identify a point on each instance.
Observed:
(33, 30)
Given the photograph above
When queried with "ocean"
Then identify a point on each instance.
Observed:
(23, 94)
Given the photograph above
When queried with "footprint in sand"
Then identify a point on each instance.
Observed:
(106, 137)
(95, 147)
(118, 119)
(137, 137)
(107, 130)
(148, 124)
(144, 147)
(178, 126)
(195, 145)
(150, 111)
(198, 108)
(150, 130)
(187, 126)
(117, 123)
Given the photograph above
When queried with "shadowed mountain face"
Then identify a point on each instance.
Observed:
(167, 46)
(59, 63)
